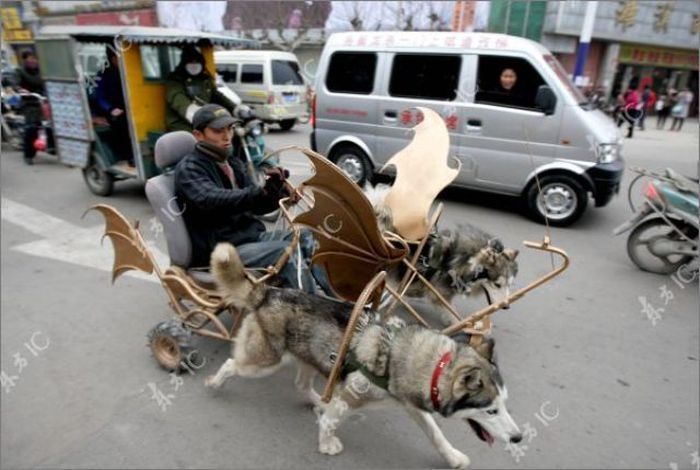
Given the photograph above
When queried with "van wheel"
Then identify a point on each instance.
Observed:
(353, 162)
(98, 180)
(287, 124)
(562, 201)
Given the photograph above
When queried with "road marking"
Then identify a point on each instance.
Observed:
(63, 241)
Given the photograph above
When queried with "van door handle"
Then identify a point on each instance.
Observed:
(473, 125)
(390, 115)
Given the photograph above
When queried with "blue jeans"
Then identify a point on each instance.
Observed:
(270, 247)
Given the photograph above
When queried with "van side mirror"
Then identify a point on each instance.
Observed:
(545, 100)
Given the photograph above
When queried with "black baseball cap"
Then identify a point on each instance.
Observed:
(212, 115)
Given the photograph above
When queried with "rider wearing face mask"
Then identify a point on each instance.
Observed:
(187, 89)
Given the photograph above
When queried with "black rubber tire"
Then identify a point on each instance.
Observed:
(361, 166)
(668, 267)
(171, 344)
(98, 180)
(572, 185)
(287, 124)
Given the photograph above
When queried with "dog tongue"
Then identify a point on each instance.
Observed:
(480, 431)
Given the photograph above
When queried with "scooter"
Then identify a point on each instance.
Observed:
(249, 146)
(664, 236)
(13, 119)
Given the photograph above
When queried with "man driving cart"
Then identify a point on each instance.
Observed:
(219, 202)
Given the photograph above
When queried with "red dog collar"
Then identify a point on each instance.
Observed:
(434, 390)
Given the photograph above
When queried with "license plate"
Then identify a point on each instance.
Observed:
(291, 99)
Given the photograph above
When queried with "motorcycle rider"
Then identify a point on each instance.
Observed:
(188, 88)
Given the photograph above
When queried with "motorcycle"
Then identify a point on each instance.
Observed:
(249, 146)
(664, 229)
(15, 107)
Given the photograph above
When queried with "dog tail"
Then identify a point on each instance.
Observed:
(229, 272)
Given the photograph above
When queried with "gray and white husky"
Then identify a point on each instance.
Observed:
(465, 261)
(423, 370)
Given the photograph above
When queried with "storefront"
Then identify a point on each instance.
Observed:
(660, 68)
(16, 35)
(655, 42)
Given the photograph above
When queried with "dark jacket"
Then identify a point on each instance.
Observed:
(31, 80)
(215, 211)
(109, 94)
(182, 90)
(30, 106)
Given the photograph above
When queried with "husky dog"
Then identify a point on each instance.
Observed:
(423, 370)
(464, 261)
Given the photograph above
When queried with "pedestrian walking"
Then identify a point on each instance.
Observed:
(662, 110)
(648, 99)
(680, 110)
(632, 108)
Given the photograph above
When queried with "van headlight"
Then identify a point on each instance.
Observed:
(608, 153)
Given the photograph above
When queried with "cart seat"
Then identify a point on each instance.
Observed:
(160, 191)
(203, 278)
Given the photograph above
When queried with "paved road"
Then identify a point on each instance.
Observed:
(594, 381)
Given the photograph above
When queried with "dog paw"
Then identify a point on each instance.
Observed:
(331, 446)
(211, 382)
(458, 460)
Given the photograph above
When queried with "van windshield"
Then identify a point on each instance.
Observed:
(286, 72)
(564, 77)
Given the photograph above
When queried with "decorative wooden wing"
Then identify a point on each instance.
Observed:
(421, 173)
(129, 249)
(351, 249)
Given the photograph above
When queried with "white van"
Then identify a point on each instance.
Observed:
(267, 81)
(505, 126)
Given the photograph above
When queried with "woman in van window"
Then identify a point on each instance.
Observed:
(506, 90)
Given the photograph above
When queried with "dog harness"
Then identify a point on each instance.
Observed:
(352, 364)
(434, 389)
(430, 263)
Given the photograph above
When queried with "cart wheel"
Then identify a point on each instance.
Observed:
(170, 343)
(98, 180)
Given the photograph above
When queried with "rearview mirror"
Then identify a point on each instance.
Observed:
(545, 100)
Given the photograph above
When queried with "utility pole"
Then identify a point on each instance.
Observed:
(584, 42)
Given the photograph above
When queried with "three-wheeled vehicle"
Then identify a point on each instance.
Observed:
(71, 59)
(352, 250)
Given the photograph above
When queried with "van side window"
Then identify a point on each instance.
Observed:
(286, 72)
(227, 72)
(507, 81)
(252, 73)
(351, 72)
(433, 77)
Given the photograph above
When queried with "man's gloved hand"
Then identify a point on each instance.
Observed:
(276, 184)
(277, 172)
(274, 181)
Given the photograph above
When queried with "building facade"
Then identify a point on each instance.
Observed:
(654, 42)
